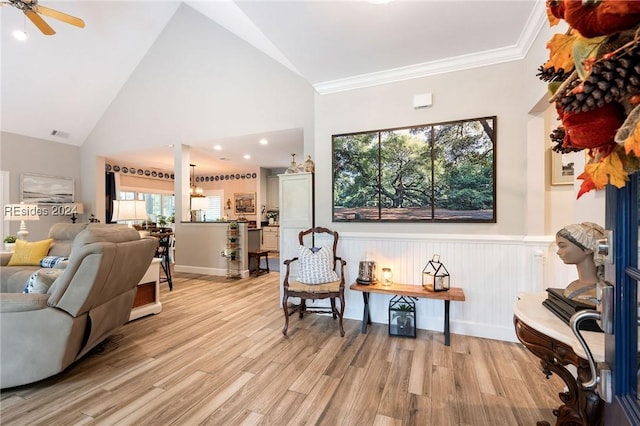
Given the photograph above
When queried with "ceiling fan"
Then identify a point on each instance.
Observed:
(32, 10)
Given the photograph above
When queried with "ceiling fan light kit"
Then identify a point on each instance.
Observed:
(33, 10)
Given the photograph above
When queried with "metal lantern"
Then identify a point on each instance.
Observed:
(402, 316)
(435, 276)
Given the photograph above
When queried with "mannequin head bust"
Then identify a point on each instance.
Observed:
(578, 245)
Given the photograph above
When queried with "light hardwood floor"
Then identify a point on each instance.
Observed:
(216, 355)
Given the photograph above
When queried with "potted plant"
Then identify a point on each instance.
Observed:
(10, 242)
(402, 318)
(233, 227)
(162, 221)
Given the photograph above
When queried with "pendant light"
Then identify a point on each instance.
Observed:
(194, 190)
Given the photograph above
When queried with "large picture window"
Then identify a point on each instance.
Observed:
(432, 172)
(157, 205)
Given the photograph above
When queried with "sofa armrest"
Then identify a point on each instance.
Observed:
(4, 258)
(19, 302)
(62, 264)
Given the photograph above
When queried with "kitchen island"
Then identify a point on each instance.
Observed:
(201, 246)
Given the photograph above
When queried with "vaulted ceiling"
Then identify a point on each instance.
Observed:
(65, 82)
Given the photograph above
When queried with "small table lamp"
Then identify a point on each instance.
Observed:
(133, 210)
(75, 209)
(21, 212)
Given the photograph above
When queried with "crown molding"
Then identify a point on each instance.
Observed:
(458, 63)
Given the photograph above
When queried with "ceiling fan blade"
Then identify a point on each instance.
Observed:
(60, 16)
(39, 22)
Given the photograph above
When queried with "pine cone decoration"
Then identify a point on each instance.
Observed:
(557, 137)
(611, 80)
(551, 74)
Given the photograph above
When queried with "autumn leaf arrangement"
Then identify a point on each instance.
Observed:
(593, 76)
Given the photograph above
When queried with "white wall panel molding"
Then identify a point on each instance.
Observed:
(492, 270)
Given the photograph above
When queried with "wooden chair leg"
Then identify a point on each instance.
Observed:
(334, 311)
(303, 308)
(341, 314)
(286, 313)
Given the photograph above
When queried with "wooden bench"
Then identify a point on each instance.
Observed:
(254, 257)
(454, 293)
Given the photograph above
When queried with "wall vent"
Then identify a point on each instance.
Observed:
(59, 134)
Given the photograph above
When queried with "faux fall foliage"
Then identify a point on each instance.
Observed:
(593, 75)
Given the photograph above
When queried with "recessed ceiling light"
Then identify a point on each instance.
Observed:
(246, 156)
(20, 35)
(263, 141)
(217, 147)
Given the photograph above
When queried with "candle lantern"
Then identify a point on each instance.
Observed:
(367, 272)
(402, 316)
(435, 276)
(387, 276)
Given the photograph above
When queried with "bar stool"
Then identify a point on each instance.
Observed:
(254, 258)
(163, 253)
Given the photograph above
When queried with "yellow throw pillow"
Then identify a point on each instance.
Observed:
(29, 254)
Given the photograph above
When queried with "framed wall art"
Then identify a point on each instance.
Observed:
(245, 202)
(562, 168)
(40, 189)
(442, 172)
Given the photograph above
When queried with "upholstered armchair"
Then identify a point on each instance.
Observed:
(319, 274)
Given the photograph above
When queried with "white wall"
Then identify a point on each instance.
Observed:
(24, 154)
(199, 82)
(492, 262)
(481, 92)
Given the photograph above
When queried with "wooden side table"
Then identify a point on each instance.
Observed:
(454, 293)
(551, 340)
(147, 299)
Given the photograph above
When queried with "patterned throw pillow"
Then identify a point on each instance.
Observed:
(51, 261)
(316, 265)
(41, 280)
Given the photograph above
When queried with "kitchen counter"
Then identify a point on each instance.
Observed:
(199, 247)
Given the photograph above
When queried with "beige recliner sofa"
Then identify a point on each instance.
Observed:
(13, 278)
(42, 334)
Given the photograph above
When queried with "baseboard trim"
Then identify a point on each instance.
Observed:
(218, 272)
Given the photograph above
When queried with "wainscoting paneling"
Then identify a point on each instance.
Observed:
(492, 270)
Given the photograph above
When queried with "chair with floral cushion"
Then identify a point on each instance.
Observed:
(316, 273)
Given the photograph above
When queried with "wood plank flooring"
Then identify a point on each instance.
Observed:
(216, 356)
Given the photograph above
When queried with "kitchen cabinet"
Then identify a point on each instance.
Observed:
(270, 238)
(273, 191)
(296, 213)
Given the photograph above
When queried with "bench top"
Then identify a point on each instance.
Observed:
(454, 293)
